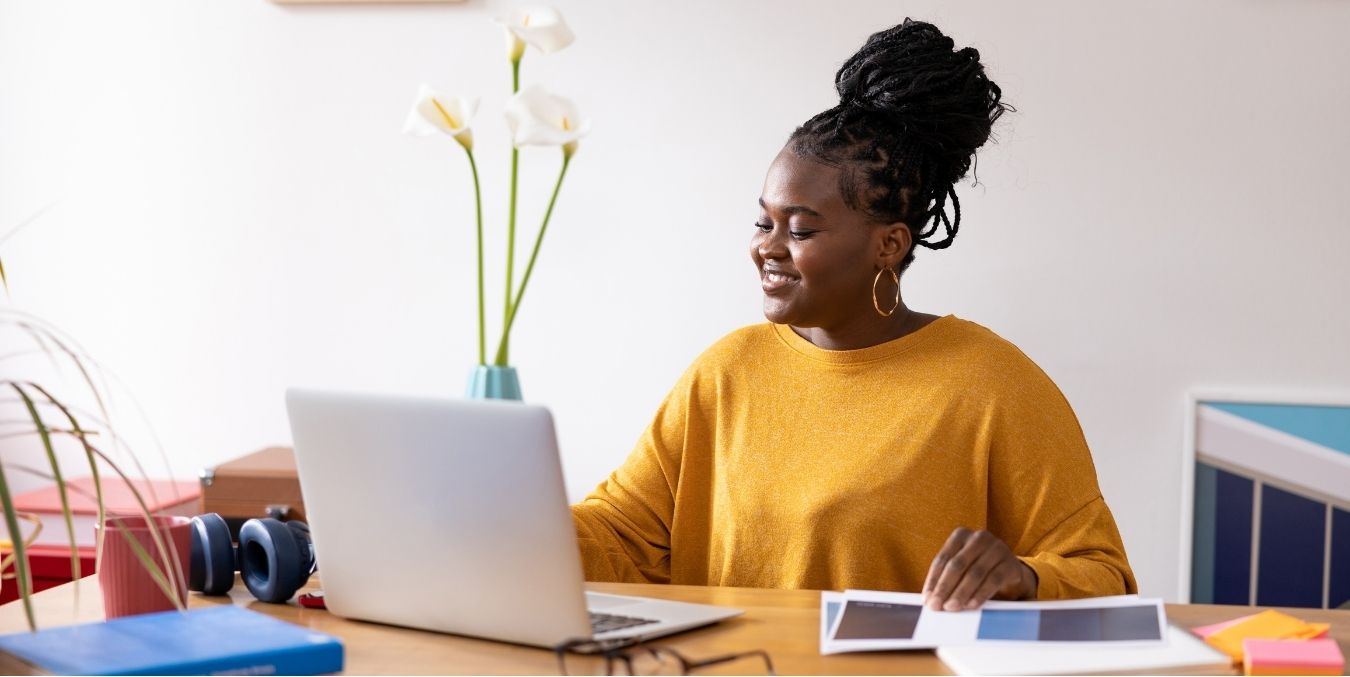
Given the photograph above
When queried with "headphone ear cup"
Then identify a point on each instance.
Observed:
(211, 564)
(271, 561)
(300, 531)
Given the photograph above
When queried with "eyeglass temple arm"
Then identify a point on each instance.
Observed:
(690, 666)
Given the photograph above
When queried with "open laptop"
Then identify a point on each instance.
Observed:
(451, 515)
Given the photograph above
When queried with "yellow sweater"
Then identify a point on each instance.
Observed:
(775, 463)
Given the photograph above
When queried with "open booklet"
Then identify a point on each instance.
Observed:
(865, 620)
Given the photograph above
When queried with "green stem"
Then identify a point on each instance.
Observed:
(511, 225)
(22, 578)
(482, 317)
(525, 281)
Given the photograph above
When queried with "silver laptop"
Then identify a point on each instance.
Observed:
(450, 515)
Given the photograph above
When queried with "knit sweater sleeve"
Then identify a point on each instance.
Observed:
(623, 526)
(1044, 500)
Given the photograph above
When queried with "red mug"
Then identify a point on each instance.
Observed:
(128, 587)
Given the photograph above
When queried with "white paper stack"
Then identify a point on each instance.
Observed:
(1183, 654)
(1107, 635)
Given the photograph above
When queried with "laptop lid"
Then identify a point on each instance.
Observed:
(446, 515)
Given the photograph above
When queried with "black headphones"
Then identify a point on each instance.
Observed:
(276, 558)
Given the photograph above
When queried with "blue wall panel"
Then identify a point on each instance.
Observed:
(1232, 538)
(1327, 426)
(1293, 529)
(1202, 534)
(1340, 558)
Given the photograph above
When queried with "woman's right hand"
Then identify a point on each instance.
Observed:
(974, 567)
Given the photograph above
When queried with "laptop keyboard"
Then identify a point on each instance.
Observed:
(610, 622)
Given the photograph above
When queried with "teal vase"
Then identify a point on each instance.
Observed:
(493, 383)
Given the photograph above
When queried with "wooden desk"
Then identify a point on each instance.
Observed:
(786, 623)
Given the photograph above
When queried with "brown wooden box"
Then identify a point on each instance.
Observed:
(261, 484)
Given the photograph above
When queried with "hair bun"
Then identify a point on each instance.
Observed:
(912, 112)
(936, 95)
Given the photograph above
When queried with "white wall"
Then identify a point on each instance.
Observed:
(237, 212)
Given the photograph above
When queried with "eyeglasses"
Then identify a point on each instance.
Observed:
(632, 657)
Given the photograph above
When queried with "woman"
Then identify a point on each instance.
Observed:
(851, 442)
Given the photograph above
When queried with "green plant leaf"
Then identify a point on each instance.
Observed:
(38, 330)
(56, 475)
(22, 577)
(78, 433)
(35, 326)
(32, 325)
(79, 364)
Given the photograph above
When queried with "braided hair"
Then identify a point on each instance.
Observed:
(912, 111)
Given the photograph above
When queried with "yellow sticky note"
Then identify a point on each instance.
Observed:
(1265, 625)
(1312, 631)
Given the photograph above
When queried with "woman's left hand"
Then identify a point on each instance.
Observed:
(972, 568)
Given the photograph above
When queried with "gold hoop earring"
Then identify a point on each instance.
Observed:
(895, 278)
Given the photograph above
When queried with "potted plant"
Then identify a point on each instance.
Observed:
(45, 417)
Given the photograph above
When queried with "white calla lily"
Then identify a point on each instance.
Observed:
(538, 118)
(435, 112)
(542, 27)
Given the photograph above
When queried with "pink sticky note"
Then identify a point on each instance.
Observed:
(1322, 655)
(1207, 630)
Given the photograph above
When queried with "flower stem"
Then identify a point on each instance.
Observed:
(510, 227)
(482, 318)
(529, 268)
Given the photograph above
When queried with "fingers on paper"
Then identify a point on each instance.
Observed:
(971, 547)
(1006, 577)
(972, 568)
(944, 555)
(985, 572)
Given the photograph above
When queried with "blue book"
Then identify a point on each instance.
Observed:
(222, 639)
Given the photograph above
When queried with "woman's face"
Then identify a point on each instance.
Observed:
(816, 256)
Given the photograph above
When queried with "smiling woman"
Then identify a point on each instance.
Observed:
(851, 442)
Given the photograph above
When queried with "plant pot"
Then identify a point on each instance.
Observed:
(493, 383)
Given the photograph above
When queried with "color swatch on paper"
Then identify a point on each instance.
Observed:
(878, 620)
(1113, 624)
